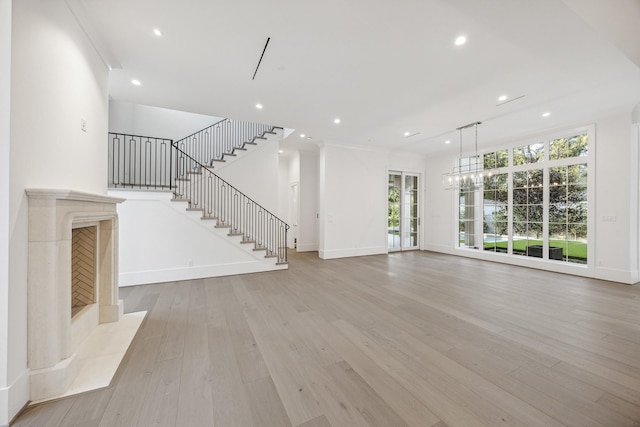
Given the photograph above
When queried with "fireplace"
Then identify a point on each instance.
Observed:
(72, 282)
(83, 268)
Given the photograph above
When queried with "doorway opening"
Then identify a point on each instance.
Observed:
(403, 220)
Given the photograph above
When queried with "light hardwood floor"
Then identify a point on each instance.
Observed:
(409, 339)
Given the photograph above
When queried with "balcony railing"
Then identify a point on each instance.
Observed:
(140, 162)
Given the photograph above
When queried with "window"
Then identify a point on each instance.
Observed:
(496, 213)
(568, 212)
(533, 204)
(533, 153)
(562, 148)
(469, 235)
(498, 159)
(528, 209)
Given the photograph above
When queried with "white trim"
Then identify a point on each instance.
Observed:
(545, 164)
(307, 247)
(13, 398)
(199, 272)
(634, 205)
(78, 10)
(353, 252)
(620, 276)
(5, 210)
(79, 196)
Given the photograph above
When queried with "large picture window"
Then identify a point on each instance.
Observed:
(536, 206)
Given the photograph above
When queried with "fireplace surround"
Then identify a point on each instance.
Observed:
(53, 334)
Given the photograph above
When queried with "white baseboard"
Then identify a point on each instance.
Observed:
(610, 274)
(196, 272)
(352, 252)
(614, 275)
(13, 398)
(307, 247)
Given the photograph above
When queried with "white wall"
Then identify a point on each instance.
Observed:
(353, 193)
(288, 174)
(5, 103)
(57, 81)
(161, 242)
(308, 201)
(615, 243)
(439, 215)
(145, 120)
(634, 197)
(283, 183)
(255, 172)
(613, 187)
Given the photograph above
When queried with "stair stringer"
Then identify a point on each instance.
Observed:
(248, 149)
(161, 241)
(255, 172)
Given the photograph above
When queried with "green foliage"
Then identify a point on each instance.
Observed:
(526, 154)
(497, 159)
(574, 249)
(574, 146)
(394, 207)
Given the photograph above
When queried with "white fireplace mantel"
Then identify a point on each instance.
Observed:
(53, 336)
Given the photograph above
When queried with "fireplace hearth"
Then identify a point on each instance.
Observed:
(73, 281)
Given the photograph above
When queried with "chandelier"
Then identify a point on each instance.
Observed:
(469, 172)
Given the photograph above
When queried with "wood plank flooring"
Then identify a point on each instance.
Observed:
(410, 339)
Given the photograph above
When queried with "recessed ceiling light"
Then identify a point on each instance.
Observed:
(502, 98)
(448, 141)
(157, 32)
(136, 82)
(336, 121)
(407, 133)
(308, 137)
(280, 151)
(546, 114)
(259, 106)
(302, 135)
(460, 40)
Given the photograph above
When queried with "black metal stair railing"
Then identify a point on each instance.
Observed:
(140, 162)
(221, 139)
(217, 199)
(184, 168)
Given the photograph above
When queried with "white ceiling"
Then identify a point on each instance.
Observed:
(382, 67)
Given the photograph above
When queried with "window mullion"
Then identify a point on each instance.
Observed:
(545, 214)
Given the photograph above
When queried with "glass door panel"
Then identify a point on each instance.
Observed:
(393, 219)
(403, 213)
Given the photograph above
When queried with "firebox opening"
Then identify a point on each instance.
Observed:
(83, 268)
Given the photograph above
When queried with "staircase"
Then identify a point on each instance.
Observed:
(186, 168)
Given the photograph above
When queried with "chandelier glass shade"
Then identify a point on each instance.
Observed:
(469, 172)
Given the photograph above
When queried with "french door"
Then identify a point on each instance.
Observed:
(403, 219)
